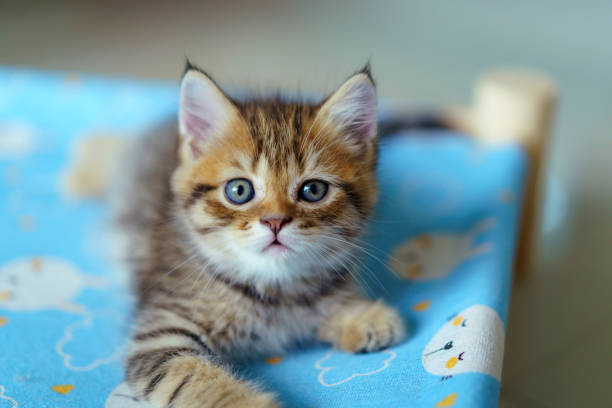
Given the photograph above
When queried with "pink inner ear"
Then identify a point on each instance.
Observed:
(365, 123)
(353, 108)
(202, 110)
(195, 123)
(358, 110)
(366, 120)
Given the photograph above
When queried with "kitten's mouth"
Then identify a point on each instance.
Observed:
(275, 247)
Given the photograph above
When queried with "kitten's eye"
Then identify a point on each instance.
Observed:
(313, 191)
(239, 191)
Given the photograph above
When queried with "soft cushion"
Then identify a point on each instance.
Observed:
(439, 248)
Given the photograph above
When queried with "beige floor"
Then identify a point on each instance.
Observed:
(560, 329)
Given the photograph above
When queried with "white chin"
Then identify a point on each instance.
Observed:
(269, 264)
(273, 265)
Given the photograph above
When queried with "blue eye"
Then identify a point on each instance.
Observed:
(313, 191)
(239, 191)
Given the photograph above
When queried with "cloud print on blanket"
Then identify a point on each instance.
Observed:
(41, 283)
(436, 255)
(337, 368)
(17, 139)
(74, 345)
(469, 342)
(5, 400)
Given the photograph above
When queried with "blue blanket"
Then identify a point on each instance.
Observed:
(439, 248)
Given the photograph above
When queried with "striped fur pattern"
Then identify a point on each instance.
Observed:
(208, 291)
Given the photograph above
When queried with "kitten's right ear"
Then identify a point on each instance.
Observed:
(351, 111)
(204, 110)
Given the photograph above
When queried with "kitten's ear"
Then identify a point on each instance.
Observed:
(351, 110)
(204, 110)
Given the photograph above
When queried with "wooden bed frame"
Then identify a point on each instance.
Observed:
(518, 106)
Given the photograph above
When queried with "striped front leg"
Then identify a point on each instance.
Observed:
(171, 364)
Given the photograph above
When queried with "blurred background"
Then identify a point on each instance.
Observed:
(423, 53)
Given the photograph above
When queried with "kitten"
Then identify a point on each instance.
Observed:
(242, 228)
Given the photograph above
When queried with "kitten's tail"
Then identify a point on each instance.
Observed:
(92, 164)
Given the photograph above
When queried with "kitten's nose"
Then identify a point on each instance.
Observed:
(275, 223)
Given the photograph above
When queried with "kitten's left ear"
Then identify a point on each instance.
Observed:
(351, 110)
(204, 110)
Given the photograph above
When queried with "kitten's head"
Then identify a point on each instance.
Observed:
(272, 191)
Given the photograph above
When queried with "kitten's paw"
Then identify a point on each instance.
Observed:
(372, 327)
(263, 400)
(252, 400)
(239, 395)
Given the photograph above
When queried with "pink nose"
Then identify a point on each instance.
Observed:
(275, 223)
